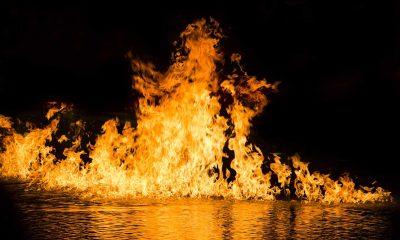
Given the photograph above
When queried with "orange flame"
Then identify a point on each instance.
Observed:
(191, 139)
(5, 122)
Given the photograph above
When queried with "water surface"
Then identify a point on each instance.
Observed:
(57, 215)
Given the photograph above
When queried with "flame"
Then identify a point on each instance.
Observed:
(190, 139)
(54, 108)
(5, 122)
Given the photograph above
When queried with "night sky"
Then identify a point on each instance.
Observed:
(338, 63)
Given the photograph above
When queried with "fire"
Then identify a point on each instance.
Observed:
(5, 122)
(190, 139)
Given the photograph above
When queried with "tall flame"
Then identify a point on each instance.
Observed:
(190, 139)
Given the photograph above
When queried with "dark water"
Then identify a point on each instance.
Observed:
(56, 215)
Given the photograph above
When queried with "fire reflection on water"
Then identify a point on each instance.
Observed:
(50, 215)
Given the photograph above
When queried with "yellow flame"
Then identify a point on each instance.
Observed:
(191, 139)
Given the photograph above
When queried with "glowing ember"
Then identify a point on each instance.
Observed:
(191, 139)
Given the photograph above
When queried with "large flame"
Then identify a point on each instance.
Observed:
(190, 139)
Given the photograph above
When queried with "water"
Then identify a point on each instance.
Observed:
(57, 215)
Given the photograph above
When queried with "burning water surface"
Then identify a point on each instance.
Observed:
(190, 139)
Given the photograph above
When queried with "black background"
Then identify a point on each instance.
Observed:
(338, 62)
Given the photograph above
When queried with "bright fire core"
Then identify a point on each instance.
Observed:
(190, 140)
